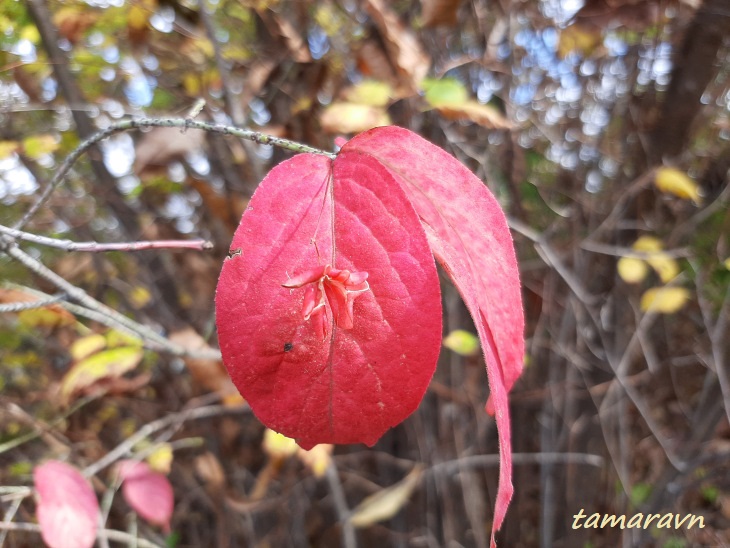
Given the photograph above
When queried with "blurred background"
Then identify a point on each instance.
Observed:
(602, 126)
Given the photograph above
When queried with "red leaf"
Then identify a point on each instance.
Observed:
(149, 493)
(329, 311)
(468, 234)
(67, 507)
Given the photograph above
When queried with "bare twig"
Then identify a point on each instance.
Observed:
(518, 459)
(70, 245)
(182, 123)
(156, 341)
(232, 101)
(617, 251)
(551, 259)
(718, 336)
(150, 428)
(343, 511)
(20, 306)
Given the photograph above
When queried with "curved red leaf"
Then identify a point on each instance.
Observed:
(67, 507)
(468, 234)
(330, 343)
(149, 493)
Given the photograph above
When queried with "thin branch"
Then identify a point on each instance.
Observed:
(349, 540)
(150, 428)
(158, 342)
(20, 306)
(70, 245)
(183, 124)
(717, 334)
(551, 258)
(518, 459)
(232, 101)
(617, 251)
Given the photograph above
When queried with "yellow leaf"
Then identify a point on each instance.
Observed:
(160, 460)
(664, 265)
(577, 38)
(648, 244)
(726, 262)
(139, 296)
(387, 502)
(7, 148)
(462, 342)
(343, 117)
(191, 83)
(278, 446)
(86, 346)
(369, 92)
(632, 270)
(109, 363)
(137, 17)
(6, 25)
(48, 316)
(38, 146)
(673, 181)
(30, 33)
(116, 338)
(665, 300)
(317, 459)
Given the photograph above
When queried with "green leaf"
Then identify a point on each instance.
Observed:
(445, 91)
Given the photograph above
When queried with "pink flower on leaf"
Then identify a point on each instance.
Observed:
(333, 287)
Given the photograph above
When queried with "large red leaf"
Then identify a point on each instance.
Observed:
(468, 234)
(333, 357)
(67, 507)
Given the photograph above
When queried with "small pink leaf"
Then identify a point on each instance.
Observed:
(67, 507)
(329, 310)
(149, 493)
(468, 234)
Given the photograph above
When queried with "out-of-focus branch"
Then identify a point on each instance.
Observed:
(349, 540)
(233, 104)
(183, 124)
(70, 245)
(38, 10)
(150, 428)
(155, 341)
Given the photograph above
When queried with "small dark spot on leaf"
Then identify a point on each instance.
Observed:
(234, 252)
(288, 347)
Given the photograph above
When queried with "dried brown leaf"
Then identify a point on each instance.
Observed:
(162, 145)
(387, 502)
(210, 470)
(439, 12)
(406, 53)
(484, 115)
(209, 373)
